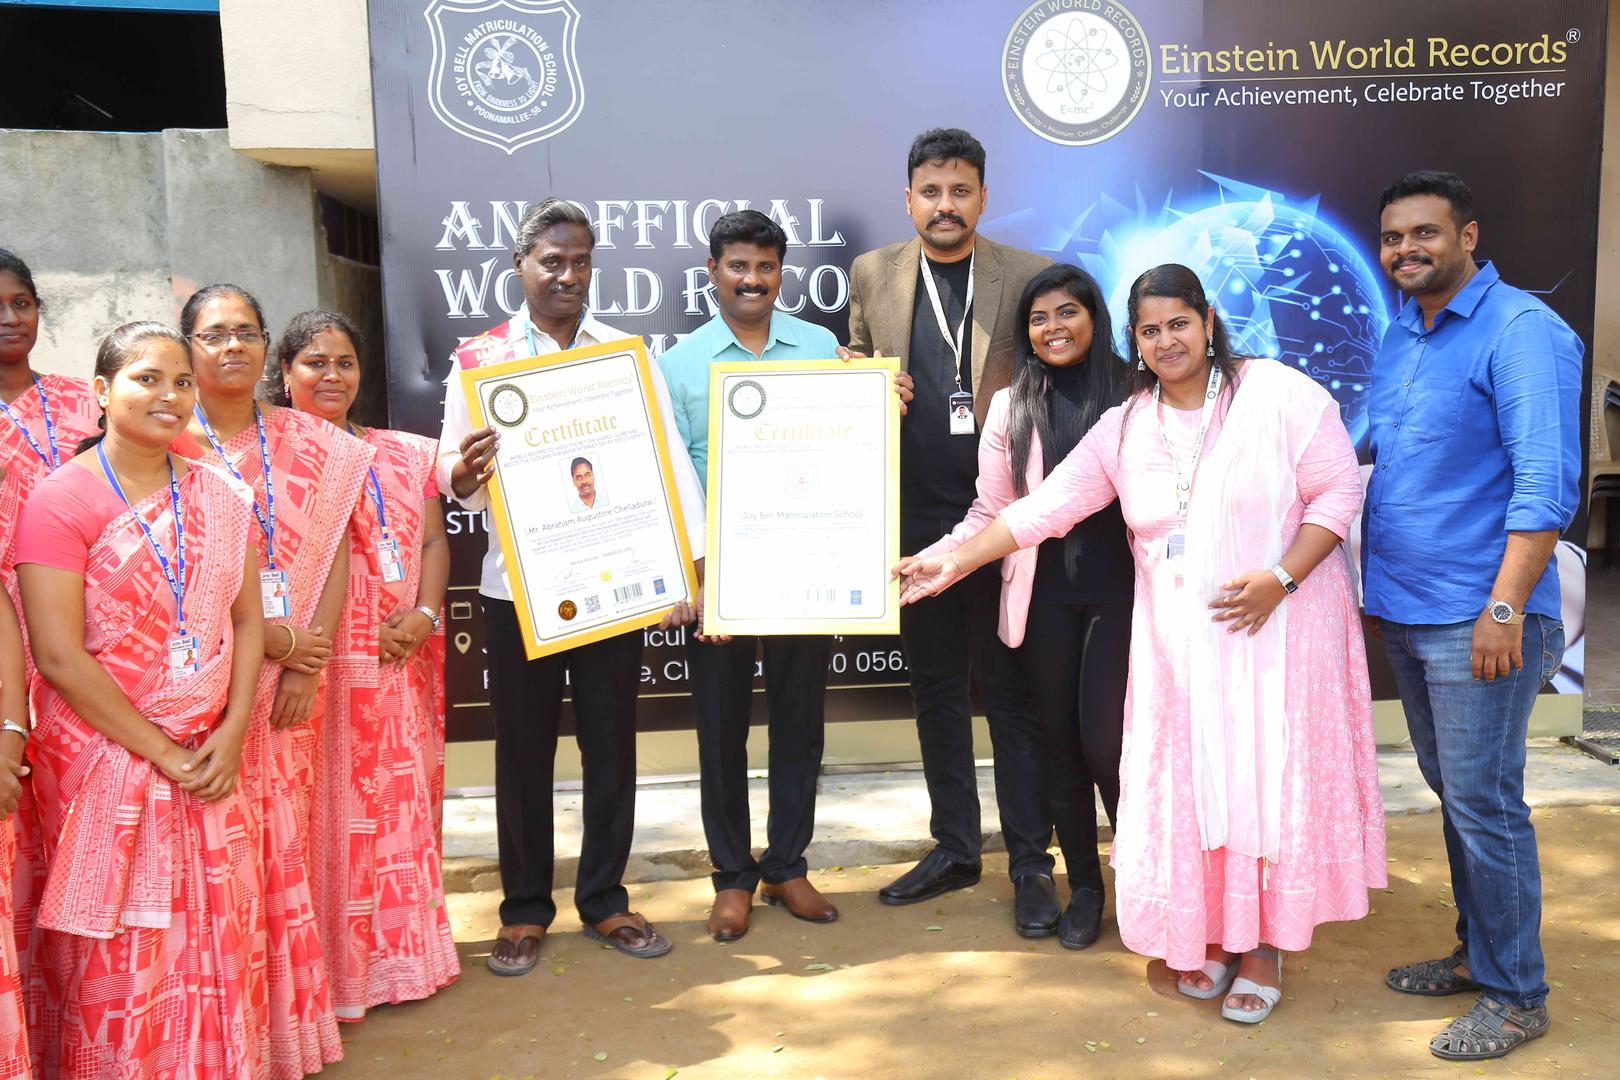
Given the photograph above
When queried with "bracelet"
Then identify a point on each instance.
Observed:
(9, 724)
(292, 647)
(431, 616)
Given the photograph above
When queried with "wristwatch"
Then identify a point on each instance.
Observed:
(432, 616)
(1502, 612)
(1285, 579)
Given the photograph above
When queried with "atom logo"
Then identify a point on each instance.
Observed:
(1076, 77)
(1076, 65)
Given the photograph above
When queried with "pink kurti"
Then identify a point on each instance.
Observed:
(145, 929)
(318, 472)
(1173, 898)
(74, 416)
(379, 886)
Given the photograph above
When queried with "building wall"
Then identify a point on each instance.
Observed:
(298, 90)
(147, 218)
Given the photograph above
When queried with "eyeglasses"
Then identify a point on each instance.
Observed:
(215, 338)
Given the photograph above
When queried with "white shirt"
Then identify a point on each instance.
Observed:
(458, 425)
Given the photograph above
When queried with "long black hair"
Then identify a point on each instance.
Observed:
(119, 349)
(1173, 281)
(1104, 371)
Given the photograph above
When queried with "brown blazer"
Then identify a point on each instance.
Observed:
(883, 292)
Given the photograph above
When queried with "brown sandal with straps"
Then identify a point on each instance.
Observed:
(517, 949)
(1482, 1032)
(1433, 978)
(622, 931)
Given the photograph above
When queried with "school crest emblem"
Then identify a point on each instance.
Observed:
(504, 71)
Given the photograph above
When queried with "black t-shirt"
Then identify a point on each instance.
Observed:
(1104, 568)
(937, 469)
(1092, 563)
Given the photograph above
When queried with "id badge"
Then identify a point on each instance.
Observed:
(1175, 551)
(184, 660)
(961, 404)
(388, 552)
(275, 593)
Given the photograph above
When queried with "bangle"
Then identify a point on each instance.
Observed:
(11, 725)
(292, 644)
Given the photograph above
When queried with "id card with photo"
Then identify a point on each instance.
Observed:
(388, 556)
(275, 593)
(962, 421)
(184, 657)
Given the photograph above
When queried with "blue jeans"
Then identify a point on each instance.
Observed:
(1469, 736)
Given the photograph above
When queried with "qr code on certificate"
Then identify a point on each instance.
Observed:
(593, 604)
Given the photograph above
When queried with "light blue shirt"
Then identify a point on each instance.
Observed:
(1476, 431)
(686, 370)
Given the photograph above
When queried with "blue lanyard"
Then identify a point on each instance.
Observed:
(376, 491)
(53, 460)
(177, 581)
(267, 523)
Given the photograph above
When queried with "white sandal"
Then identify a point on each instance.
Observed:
(1268, 994)
(1218, 973)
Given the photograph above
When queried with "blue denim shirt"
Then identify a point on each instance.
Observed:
(686, 370)
(1475, 432)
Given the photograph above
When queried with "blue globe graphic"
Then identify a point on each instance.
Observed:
(1287, 284)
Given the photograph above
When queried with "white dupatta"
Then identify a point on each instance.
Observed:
(1243, 491)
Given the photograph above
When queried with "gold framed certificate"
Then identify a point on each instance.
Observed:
(804, 498)
(583, 495)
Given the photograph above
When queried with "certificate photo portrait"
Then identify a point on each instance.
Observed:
(583, 492)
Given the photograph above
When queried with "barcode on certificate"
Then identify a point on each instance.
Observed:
(821, 596)
(627, 594)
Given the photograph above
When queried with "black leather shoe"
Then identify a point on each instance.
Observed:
(937, 874)
(1082, 921)
(1035, 906)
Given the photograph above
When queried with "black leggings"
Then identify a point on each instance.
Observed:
(1076, 658)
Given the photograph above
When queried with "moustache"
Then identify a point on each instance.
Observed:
(940, 219)
(750, 290)
(569, 289)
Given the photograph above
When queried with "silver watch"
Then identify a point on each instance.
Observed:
(9, 724)
(1502, 611)
(432, 616)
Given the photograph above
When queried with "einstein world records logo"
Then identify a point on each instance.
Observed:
(504, 71)
(1076, 71)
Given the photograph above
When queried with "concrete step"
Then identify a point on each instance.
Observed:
(877, 818)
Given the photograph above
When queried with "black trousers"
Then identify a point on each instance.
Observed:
(1077, 658)
(951, 645)
(722, 679)
(527, 699)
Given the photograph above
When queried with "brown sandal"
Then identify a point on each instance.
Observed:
(517, 949)
(630, 934)
(1433, 978)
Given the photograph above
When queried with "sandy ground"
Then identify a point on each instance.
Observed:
(945, 989)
